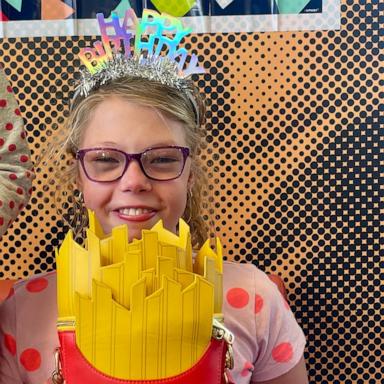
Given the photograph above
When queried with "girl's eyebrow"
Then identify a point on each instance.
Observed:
(112, 144)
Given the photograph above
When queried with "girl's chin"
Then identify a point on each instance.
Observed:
(135, 234)
(135, 229)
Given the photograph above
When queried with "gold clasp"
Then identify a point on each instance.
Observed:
(220, 332)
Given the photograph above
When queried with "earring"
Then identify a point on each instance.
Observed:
(80, 215)
(81, 198)
(188, 206)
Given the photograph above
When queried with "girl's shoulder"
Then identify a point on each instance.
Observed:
(247, 276)
(28, 328)
(268, 340)
(43, 284)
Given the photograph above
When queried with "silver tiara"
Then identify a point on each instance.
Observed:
(157, 69)
(156, 54)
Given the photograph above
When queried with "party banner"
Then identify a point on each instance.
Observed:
(77, 17)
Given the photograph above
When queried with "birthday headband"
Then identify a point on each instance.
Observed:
(156, 54)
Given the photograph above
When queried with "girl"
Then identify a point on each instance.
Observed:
(134, 141)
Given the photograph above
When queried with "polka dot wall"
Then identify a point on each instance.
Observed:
(295, 152)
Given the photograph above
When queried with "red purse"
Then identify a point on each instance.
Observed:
(73, 368)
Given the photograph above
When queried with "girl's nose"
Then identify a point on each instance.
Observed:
(134, 179)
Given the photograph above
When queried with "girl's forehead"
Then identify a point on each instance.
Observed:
(132, 124)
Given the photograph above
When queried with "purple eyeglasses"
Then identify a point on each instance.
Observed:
(109, 164)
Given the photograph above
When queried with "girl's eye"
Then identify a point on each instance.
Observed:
(105, 159)
(163, 160)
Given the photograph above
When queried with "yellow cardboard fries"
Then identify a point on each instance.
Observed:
(141, 310)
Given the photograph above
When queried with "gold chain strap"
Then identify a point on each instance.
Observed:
(220, 332)
(57, 376)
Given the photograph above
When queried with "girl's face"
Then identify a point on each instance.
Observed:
(134, 199)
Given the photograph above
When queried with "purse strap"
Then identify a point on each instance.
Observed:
(57, 375)
(220, 332)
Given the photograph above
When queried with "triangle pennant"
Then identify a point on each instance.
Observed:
(15, 4)
(176, 8)
(121, 8)
(291, 6)
(224, 3)
(55, 9)
(3, 17)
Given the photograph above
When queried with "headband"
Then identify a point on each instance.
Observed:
(149, 48)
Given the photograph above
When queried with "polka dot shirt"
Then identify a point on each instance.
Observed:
(15, 166)
(268, 340)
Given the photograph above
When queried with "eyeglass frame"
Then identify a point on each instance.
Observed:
(80, 153)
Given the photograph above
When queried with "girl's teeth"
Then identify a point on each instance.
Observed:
(133, 211)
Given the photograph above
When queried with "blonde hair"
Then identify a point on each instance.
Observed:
(186, 108)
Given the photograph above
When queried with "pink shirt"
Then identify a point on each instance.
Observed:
(268, 340)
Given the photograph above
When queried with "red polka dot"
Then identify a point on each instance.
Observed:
(237, 297)
(3, 103)
(21, 206)
(1, 142)
(12, 147)
(12, 176)
(23, 135)
(248, 367)
(24, 158)
(37, 285)
(259, 302)
(10, 343)
(282, 353)
(1, 203)
(9, 126)
(20, 191)
(9, 89)
(11, 204)
(17, 112)
(30, 359)
(1, 221)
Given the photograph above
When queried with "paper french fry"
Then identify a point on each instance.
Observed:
(72, 261)
(150, 278)
(172, 318)
(102, 326)
(121, 355)
(84, 326)
(154, 335)
(137, 333)
(119, 243)
(185, 278)
(150, 250)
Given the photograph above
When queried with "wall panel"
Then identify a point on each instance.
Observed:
(295, 150)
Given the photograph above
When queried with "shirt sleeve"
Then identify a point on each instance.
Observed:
(15, 158)
(9, 371)
(279, 338)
